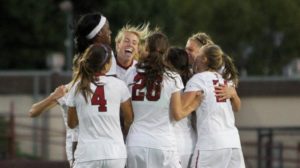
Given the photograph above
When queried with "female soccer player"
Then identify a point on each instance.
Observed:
(92, 28)
(94, 104)
(156, 98)
(178, 60)
(193, 46)
(218, 143)
(128, 42)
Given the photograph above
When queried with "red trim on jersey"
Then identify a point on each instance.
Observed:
(124, 67)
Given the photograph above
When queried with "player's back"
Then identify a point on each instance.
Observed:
(215, 118)
(99, 120)
(152, 125)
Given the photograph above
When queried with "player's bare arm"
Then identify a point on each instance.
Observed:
(47, 103)
(229, 92)
(72, 117)
(183, 105)
(126, 108)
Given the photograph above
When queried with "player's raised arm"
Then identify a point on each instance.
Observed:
(182, 106)
(47, 103)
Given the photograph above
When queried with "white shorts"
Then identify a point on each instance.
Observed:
(107, 163)
(185, 160)
(139, 157)
(221, 158)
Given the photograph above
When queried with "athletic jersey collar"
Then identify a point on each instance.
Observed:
(124, 67)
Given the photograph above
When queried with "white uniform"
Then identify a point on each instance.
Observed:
(185, 139)
(100, 137)
(151, 140)
(121, 70)
(113, 69)
(71, 134)
(215, 126)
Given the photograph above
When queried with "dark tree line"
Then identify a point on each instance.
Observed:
(262, 36)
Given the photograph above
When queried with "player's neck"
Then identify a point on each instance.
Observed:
(125, 63)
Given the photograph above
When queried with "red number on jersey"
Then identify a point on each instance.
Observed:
(139, 84)
(99, 99)
(218, 98)
(153, 92)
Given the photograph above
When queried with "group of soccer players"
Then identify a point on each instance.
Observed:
(148, 105)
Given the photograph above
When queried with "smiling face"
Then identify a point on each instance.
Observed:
(127, 47)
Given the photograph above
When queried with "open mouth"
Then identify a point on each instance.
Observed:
(128, 50)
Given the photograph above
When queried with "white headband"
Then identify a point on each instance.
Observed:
(95, 31)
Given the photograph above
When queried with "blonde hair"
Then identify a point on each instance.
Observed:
(201, 38)
(141, 31)
(217, 58)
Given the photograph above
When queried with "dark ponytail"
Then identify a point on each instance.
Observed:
(179, 60)
(230, 72)
(91, 62)
(153, 65)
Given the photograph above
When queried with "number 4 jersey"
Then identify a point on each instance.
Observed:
(100, 136)
(215, 119)
(152, 125)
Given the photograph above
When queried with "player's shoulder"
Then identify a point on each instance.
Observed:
(113, 79)
(111, 82)
(171, 74)
(204, 75)
(132, 71)
(200, 77)
(73, 85)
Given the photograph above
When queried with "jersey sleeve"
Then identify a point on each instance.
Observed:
(178, 83)
(196, 83)
(70, 100)
(173, 82)
(125, 94)
(113, 68)
(62, 101)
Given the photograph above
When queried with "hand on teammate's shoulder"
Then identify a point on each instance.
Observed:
(59, 92)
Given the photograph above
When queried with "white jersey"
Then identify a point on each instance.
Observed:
(121, 70)
(100, 136)
(71, 134)
(215, 119)
(113, 69)
(185, 136)
(152, 126)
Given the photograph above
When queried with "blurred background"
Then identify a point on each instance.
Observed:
(263, 37)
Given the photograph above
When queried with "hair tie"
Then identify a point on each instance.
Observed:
(96, 30)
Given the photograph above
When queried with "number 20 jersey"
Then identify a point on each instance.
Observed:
(153, 124)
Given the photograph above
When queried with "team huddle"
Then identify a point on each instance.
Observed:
(147, 105)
